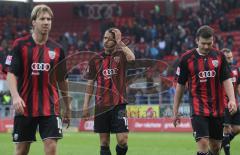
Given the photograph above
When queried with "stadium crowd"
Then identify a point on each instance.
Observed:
(154, 35)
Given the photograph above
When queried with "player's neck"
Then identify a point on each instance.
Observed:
(108, 52)
(201, 52)
(39, 39)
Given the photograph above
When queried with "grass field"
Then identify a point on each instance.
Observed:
(139, 144)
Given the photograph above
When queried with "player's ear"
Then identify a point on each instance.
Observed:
(33, 23)
(196, 40)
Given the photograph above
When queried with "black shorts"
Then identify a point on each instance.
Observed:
(111, 119)
(210, 127)
(231, 119)
(24, 129)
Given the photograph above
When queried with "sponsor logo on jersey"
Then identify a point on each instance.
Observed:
(37, 67)
(108, 73)
(207, 74)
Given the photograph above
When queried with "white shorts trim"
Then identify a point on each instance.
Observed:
(24, 141)
(198, 138)
(52, 138)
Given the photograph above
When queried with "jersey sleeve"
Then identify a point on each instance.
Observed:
(13, 60)
(225, 71)
(182, 72)
(124, 58)
(91, 71)
(238, 78)
(61, 68)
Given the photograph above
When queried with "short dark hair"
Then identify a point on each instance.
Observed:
(205, 31)
(226, 50)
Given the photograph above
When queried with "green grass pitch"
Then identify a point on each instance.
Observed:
(86, 143)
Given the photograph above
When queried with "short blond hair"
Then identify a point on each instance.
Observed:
(38, 9)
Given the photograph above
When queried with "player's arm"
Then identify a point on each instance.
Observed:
(13, 65)
(63, 86)
(225, 79)
(12, 84)
(62, 81)
(238, 88)
(176, 103)
(228, 86)
(238, 83)
(87, 98)
(18, 103)
(181, 78)
(127, 52)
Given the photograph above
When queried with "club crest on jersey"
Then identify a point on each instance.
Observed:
(235, 72)
(178, 71)
(51, 54)
(8, 60)
(215, 63)
(117, 59)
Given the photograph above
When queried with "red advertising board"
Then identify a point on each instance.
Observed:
(6, 124)
(147, 125)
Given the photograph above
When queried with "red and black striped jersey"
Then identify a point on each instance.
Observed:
(109, 71)
(235, 78)
(38, 68)
(205, 75)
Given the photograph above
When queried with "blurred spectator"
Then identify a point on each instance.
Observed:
(81, 10)
(237, 21)
(5, 98)
(154, 53)
(161, 47)
(223, 24)
(117, 11)
(168, 112)
(7, 112)
(229, 42)
(139, 98)
(219, 42)
(141, 49)
(155, 34)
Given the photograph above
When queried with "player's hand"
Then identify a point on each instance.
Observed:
(227, 129)
(118, 35)
(67, 116)
(176, 120)
(86, 113)
(18, 105)
(232, 107)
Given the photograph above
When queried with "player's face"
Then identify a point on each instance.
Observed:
(229, 57)
(42, 24)
(109, 41)
(204, 45)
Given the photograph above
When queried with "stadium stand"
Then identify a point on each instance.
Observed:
(154, 31)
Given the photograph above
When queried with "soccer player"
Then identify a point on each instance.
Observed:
(108, 69)
(231, 123)
(35, 70)
(207, 73)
